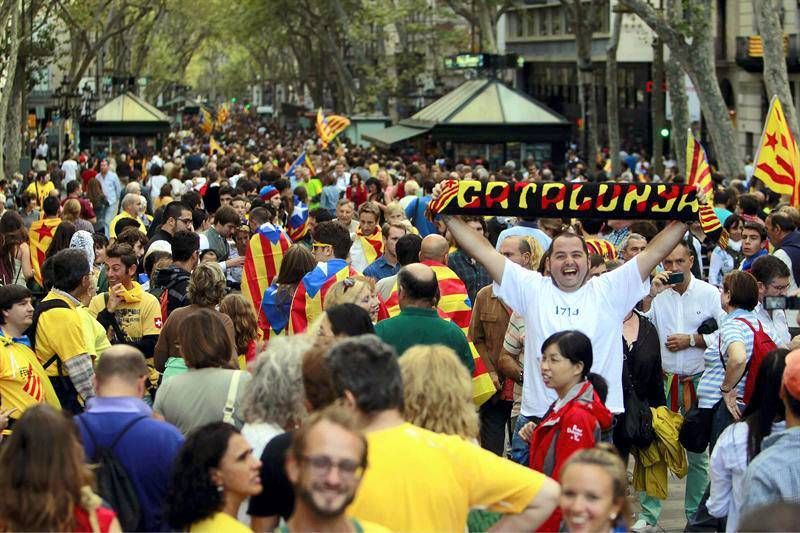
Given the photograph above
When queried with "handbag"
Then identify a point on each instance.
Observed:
(638, 421)
(230, 402)
(695, 432)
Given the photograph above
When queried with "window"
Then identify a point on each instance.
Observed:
(544, 15)
(532, 18)
(556, 14)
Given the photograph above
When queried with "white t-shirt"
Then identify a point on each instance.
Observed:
(156, 182)
(596, 309)
(70, 169)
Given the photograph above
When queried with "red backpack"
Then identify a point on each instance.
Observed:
(762, 345)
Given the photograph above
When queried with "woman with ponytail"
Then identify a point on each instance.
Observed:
(574, 421)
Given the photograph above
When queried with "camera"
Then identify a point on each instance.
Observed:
(781, 302)
(675, 278)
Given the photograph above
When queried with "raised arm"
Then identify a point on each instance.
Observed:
(660, 247)
(476, 246)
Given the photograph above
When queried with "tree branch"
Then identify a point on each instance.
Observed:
(669, 35)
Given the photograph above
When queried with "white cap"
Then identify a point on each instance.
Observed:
(159, 246)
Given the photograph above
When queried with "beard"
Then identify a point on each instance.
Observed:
(308, 497)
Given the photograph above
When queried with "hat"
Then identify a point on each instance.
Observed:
(267, 192)
(159, 246)
(791, 374)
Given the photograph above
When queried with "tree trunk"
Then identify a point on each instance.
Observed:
(14, 122)
(612, 95)
(657, 99)
(698, 62)
(9, 76)
(486, 17)
(588, 97)
(680, 112)
(776, 78)
(391, 38)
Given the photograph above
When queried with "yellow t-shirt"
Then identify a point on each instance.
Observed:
(135, 319)
(23, 381)
(219, 523)
(95, 336)
(40, 191)
(59, 331)
(417, 480)
(123, 214)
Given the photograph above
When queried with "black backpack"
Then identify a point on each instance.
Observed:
(113, 483)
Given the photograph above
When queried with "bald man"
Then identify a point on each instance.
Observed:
(434, 248)
(146, 446)
(418, 291)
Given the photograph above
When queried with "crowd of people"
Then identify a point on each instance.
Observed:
(210, 338)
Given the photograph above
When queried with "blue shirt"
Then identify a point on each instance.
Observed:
(380, 269)
(112, 188)
(415, 212)
(329, 198)
(146, 451)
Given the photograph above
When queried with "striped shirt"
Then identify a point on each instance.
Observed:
(730, 331)
(514, 343)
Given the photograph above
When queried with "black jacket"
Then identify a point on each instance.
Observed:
(175, 280)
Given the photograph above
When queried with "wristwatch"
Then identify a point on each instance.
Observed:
(723, 391)
(692, 342)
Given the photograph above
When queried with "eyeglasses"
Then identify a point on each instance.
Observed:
(779, 288)
(185, 220)
(321, 465)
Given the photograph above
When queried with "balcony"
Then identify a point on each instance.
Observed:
(750, 53)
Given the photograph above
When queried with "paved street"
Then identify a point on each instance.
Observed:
(672, 516)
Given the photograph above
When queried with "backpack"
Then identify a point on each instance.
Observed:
(43, 307)
(113, 483)
(762, 345)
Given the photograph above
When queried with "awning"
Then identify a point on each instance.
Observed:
(389, 136)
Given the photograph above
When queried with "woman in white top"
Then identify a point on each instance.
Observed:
(722, 261)
(15, 254)
(741, 442)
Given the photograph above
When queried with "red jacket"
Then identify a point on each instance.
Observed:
(574, 426)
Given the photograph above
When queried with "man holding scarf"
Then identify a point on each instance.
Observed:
(129, 314)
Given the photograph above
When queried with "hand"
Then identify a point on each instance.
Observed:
(235, 262)
(437, 190)
(114, 297)
(677, 341)
(730, 402)
(659, 283)
(526, 431)
(495, 380)
(5, 415)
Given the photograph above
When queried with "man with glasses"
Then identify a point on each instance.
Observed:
(176, 217)
(774, 279)
(325, 464)
(677, 311)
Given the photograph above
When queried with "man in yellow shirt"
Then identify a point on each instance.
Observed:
(130, 209)
(41, 187)
(129, 314)
(57, 330)
(417, 480)
(23, 381)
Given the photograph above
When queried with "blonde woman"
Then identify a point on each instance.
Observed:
(394, 213)
(358, 290)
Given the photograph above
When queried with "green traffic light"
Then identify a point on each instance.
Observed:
(247, 106)
(233, 100)
(664, 132)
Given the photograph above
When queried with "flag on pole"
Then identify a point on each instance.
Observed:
(206, 121)
(297, 226)
(263, 261)
(697, 170)
(329, 127)
(777, 162)
(455, 305)
(214, 146)
(39, 237)
(309, 297)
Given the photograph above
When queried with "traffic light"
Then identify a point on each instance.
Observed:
(247, 107)
(233, 100)
(664, 132)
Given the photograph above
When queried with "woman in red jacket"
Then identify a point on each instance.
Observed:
(574, 421)
(357, 191)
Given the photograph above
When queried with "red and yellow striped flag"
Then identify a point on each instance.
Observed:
(697, 170)
(602, 247)
(329, 127)
(455, 305)
(39, 237)
(777, 162)
(262, 261)
(206, 122)
(309, 296)
(371, 244)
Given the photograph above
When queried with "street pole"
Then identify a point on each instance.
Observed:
(657, 100)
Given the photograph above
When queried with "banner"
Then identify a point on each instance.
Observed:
(630, 201)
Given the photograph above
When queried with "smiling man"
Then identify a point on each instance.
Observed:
(568, 300)
(325, 463)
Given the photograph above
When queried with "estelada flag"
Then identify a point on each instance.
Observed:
(297, 226)
(329, 127)
(273, 316)
(697, 170)
(309, 296)
(455, 305)
(39, 237)
(777, 161)
(206, 121)
(262, 261)
(214, 146)
(372, 245)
